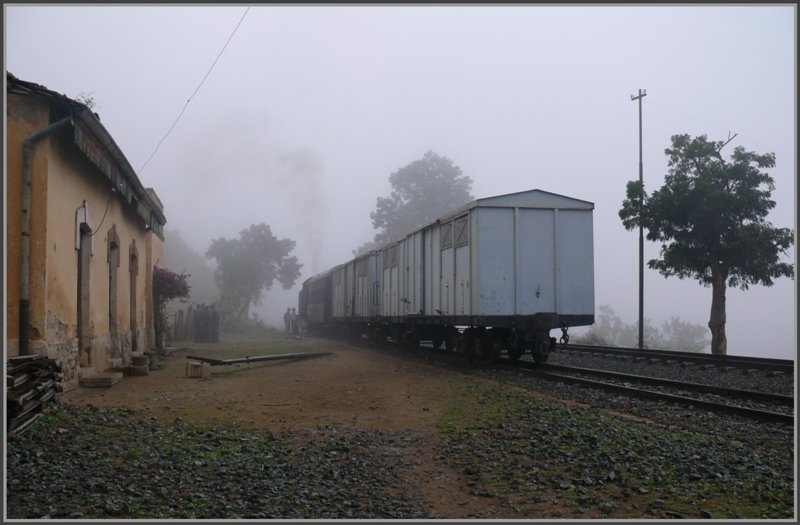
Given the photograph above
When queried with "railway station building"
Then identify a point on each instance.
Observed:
(82, 238)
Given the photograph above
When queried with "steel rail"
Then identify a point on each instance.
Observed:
(765, 415)
(769, 397)
(254, 359)
(785, 365)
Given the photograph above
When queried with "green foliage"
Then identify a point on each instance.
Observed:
(712, 214)
(250, 264)
(421, 191)
(710, 218)
(167, 285)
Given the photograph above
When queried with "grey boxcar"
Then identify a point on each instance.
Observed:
(501, 272)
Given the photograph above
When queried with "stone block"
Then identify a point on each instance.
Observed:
(139, 370)
(102, 380)
(194, 369)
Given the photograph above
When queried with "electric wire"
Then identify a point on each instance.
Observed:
(195, 91)
(684, 115)
(97, 230)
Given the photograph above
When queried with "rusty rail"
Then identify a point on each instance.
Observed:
(254, 359)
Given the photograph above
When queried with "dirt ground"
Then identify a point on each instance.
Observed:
(356, 387)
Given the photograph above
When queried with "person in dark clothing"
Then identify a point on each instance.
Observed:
(287, 321)
(295, 325)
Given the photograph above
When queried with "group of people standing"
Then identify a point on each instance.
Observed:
(292, 322)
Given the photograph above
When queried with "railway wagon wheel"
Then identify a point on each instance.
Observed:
(411, 337)
(398, 334)
(516, 346)
(544, 345)
(378, 335)
(488, 347)
(451, 339)
(467, 341)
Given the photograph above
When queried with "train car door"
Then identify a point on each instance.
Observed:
(447, 273)
(462, 284)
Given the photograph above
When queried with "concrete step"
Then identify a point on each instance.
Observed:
(106, 380)
(131, 370)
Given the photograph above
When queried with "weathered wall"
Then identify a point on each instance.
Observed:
(25, 116)
(62, 181)
(72, 180)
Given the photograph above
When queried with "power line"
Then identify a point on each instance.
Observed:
(195, 91)
(713, 127)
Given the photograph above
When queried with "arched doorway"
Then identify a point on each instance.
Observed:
(133, 258)
(83, 245)
(113, 311)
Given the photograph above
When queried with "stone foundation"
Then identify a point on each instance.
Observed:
(62, 344)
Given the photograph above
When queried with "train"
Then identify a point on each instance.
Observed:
(495, 276)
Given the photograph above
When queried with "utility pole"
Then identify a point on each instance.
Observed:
(642, 94)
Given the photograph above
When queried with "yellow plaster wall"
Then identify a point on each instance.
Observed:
(61, 180)
(25, 116)
(73, 180)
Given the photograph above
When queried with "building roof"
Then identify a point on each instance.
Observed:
(99, 147)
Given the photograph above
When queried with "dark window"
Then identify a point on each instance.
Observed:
(361, 268)
(461, 227)
(389, 257)
(446, 235)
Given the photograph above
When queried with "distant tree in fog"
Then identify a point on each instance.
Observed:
(421, 191)
(178, 254)
(248, 265)
(710, 216)
(608, 329)
(683, 336)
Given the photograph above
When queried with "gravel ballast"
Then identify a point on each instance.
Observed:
(522, 448)
(81, 462)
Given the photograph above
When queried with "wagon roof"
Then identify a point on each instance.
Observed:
(525, 199)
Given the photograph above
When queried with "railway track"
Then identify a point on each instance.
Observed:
(759, 405)
(748, 403)
(759, 363)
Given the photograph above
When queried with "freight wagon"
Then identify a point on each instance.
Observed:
(499, 273)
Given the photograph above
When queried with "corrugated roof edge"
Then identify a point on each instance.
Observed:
(475, 203)
(85, 114)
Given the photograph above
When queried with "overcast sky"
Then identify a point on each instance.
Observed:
(310, 109)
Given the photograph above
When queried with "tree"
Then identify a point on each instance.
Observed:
(87, 99)
(167, 285)
(608, 329)
(250, 264)
(710, 217)
(421, 191)
(200, 274)
(683, 336)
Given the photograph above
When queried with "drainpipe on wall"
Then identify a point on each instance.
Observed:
(24, 300)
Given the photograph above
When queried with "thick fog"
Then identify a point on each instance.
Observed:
(309, 109)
